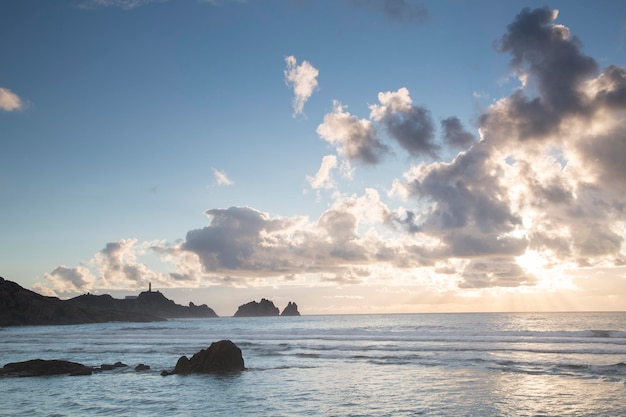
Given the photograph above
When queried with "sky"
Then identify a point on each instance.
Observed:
(353, 156)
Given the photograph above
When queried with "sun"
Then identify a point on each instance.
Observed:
(532, 262)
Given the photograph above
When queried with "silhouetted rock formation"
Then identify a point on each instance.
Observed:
(150, 302)
(220, 357)
(40, 367)
(254, 309)
(19, 306)
(290, 310)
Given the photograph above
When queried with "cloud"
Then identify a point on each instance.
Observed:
(221, 178)
(454, 134)
(356, 139)
(494, 272)
(411, 126)
(303, 79)
(122, 4)
(323, 179)
(546, 57)
(9, 101)
(546, 181)
(43, 290)
(118, 267)
(64, 279)
(396, 10)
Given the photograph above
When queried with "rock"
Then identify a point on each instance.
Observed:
(41, 367)
(141, 367)
(290, 310)
(221, 357)
(254, 309)
(109, 367)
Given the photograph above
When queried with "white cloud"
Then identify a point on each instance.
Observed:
(64, 279)
(323, 179)
(221, 178)
(303, 79)
(9, 101)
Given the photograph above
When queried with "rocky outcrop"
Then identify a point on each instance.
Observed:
(46, 367)
(19, 306)
(40, 367)
(290, 310)
(221, 357)
(254, 309)
(148, 302)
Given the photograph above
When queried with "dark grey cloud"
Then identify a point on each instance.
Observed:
(411, 126)
(552, 56)
(357, 139)
(467, 192)
(552, 63)
(455, 135)
(495, 272)
(231, 239)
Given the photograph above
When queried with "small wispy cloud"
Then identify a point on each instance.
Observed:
(9, 101)
(303, 78)
(122, 4)
(221, 178)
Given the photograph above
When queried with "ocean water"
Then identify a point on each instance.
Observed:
(543, 364)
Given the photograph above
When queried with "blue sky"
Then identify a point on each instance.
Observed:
(444, 156)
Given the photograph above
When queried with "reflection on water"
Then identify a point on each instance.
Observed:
(385, 365)
(549, 395)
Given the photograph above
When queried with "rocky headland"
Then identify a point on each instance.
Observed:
(152, 302)
(21, 307)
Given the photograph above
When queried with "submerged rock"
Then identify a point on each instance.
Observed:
(221, 357)
(141, 367)
(110, 367)
(41, 367)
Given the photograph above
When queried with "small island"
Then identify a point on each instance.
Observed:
(265, 308)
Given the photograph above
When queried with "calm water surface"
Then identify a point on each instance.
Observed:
(555, 364)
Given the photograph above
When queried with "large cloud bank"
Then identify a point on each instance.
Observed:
(543, 177)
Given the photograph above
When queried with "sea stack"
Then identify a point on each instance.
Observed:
(291, 310)
(254, 309)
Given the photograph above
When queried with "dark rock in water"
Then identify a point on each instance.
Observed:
(254, 309)
(141, 367)
(290, 310)
(41, 367)
(109, 367)
(221, 357)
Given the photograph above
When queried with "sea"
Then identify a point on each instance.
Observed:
(483, 364)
